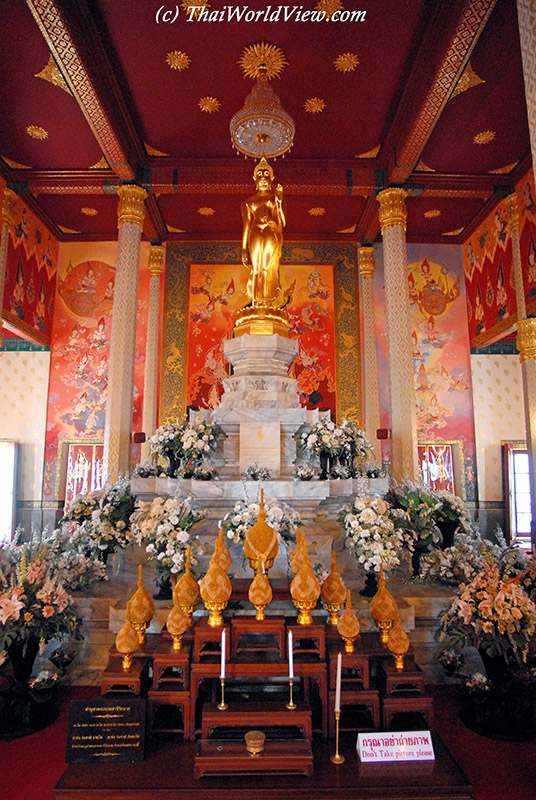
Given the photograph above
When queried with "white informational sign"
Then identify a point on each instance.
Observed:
(260, 443)
(391, 746)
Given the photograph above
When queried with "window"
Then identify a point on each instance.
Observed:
(517, 493)
(8, 482)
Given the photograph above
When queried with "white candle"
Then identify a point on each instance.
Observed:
(290, 656)
(338, 683)
(222, 672)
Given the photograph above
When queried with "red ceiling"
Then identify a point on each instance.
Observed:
(126, 97)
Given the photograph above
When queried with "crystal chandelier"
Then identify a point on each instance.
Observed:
(262, 127)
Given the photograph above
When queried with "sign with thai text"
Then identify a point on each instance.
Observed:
(260, 444)
(391, 746)
(106, 729)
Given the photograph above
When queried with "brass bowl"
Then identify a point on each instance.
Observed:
(255, 742)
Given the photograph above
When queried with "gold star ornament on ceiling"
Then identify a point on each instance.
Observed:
(346, 62)
(484, 137)
(262, 55)
(434, 212)
(329, 7)
(209, 104)
(194, 9)
(36, 132)
(317, 211)
(89, 212)
(178, 60)
(314, 105)
(205, 211)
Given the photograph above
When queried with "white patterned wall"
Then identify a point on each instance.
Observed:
(499, 415)
(23, 403)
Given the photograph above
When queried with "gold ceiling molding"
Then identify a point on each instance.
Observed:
(422, 167)
(352, 229)
(484, 137)
(195, 8)
(36, 132)
(504, 170)
(171, 229)
(467, 80)
(370, 153)
(14, 164)
(152, 151)
(314, 105)
(178, 60)
(205, 211)
(89, 212)
(209, 104)
(346, 62)
(434, 212)
(52, 74)
(101, 164)
(329, 7)
(453, 233)
(393, 210)
(317, 211)
(262, 55)
(66, 230)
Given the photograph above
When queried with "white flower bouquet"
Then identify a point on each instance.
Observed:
(166, 443)
(279, 516)
(199, 438)
(371, 535)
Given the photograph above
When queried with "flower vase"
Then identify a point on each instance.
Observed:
(448, 529)
(416, 560)
(371, 585)
(22, 654)
(164, 589)
(324, 466)
(174, 463)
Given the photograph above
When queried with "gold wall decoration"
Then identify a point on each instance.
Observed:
(467, 80)
(131, 206)
(453, 233)
(178, 60)
(89, 212)
(36, 132)
(262, 55)
(209, 104)
(433, 212)
(101, 164)
(329, 7)
(205, 211)
(370, 153)
(526, 338)
(152, 151)
(314, 105)
(504, 170)
(15, 164)
(346, 62)
(422, 167)
(484, 137)
(52, 74)
(317, 211)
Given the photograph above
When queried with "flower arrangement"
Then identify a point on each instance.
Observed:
(340, 471)
(357, 446)
(199, 438)
(103, 516)
(371, 535)
(456, 564)
(34, 606)
(321, 438)
(305, 472)
(256, 473)
(166, 443)
(76, 566)
(279, 516)
(163, 526)
(412, 511)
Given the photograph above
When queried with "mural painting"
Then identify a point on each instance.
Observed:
(31, 275)
(216, 294)
(526, 200)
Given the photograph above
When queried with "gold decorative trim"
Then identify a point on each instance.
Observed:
(422, 167)
(61, 466)
(101, 164)
(512, 213)
(453, 233)
(366, 262)
(317, 211)
(351, 229)
(15, 164)
(526, 338)
(314, 105)
(433, 212)
(205, 211)
(370, 153)
(484, 137)
(461, 460)
(171, 229)
(504, 170)
(8, 208)
(89, 211)
(52, 74)
(37, 132)
(67, 230)
(157, 258)
(467, 80)
(392, 208)
(152, 151)
(131, 206)
(262, 57)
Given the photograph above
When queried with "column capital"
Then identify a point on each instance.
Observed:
(392, 207)
(8, 208)
(131, 206)
(526, 338)
(157, 258)
(512, 213)
(366, 261)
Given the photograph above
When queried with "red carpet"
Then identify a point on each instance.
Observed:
(31, 766)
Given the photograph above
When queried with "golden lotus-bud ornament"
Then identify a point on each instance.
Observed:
(260, 594)
(177, 624)
(126, 643)
(296, 557)
(398, 644)
(186, 593)
(261, 540)
(348, 625)
(333, 592)
(215, 590)
(305, 590)
(140, 608)
(221, 555)
(383, 609)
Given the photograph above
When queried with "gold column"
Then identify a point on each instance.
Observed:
(8, 221)
(118, 425)
(371, 394)
(526, 20)
(403, 418)
(526, 344)
(513, 224)
(157, 257)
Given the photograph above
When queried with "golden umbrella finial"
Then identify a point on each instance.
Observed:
(333, 592)
(126, 643)
(261, 540)
(140, 608)
(348, 625)
(383, 609)
(305, 590)
(260, 592)
(215, 590)
(186, 593)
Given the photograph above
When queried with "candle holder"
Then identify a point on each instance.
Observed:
(291, 704)
(337, 758)
(223, 705)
